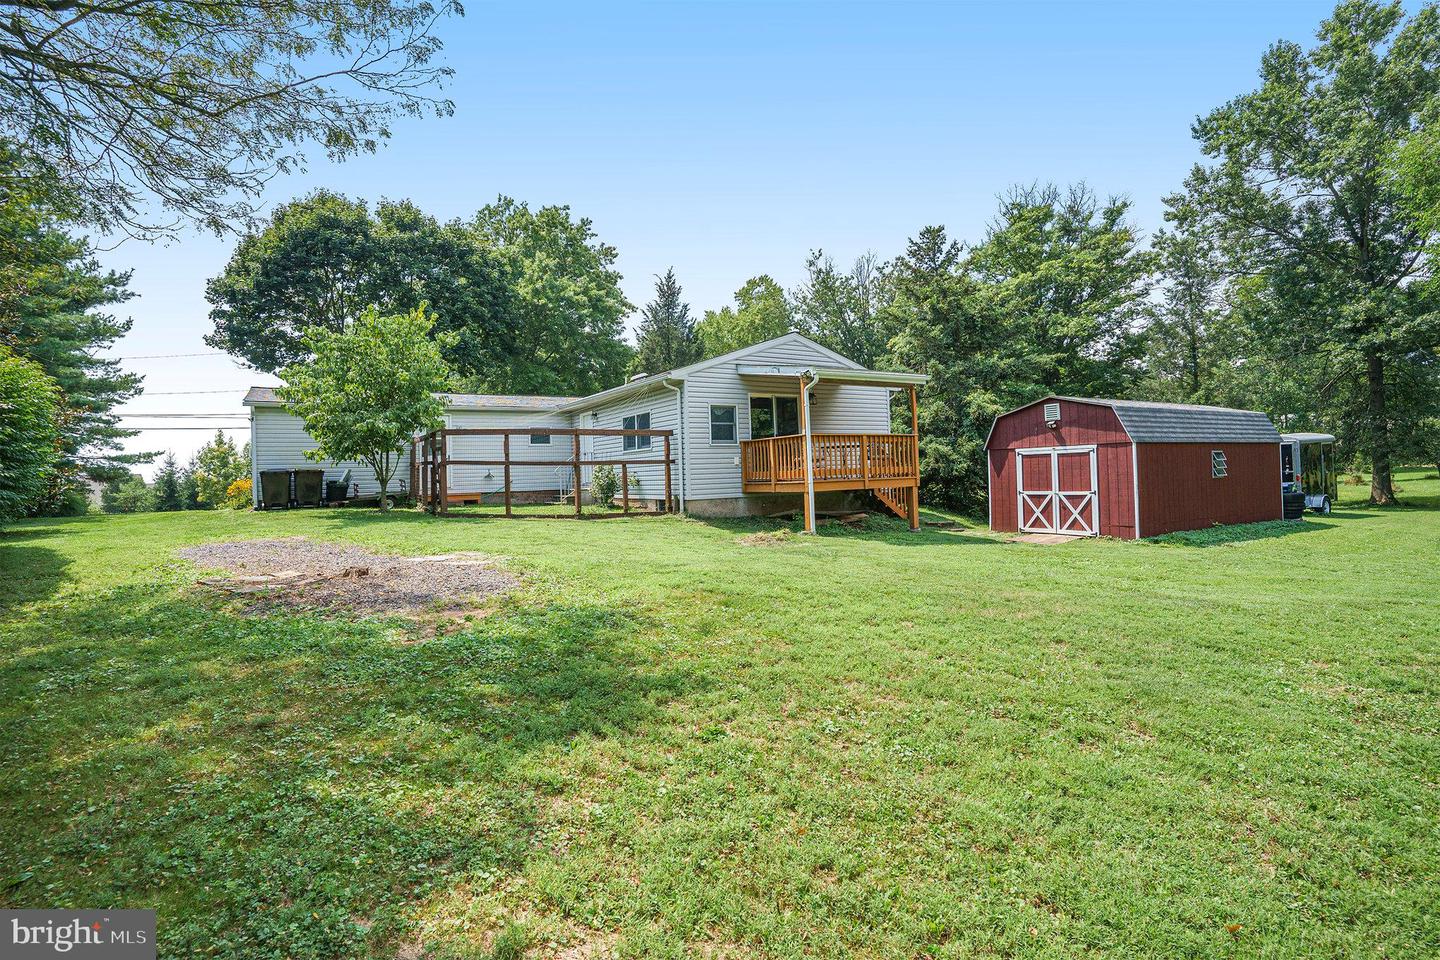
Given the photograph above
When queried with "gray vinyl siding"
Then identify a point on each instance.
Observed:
(279, 442)
(713, 470)
(522, 478)
(660, 403)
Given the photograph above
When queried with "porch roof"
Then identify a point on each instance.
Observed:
(824, 374)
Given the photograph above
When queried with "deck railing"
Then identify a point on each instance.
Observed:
(862, 458)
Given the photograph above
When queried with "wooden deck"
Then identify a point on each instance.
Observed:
(885, 464)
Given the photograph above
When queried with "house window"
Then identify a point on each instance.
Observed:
(722, 424)
(1218, 467)
(537, 439)
(774, 417)
(640, 421)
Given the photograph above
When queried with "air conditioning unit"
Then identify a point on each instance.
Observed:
(1052, 414)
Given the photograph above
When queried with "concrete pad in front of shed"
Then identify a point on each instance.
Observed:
(1046, 539)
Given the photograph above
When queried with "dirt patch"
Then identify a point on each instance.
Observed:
(296, 572)
(768, 538)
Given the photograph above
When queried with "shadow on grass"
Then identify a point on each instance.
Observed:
(1241, 533)
(30, 573)
(876, 528)
(290, 785)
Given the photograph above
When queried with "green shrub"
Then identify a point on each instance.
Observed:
(604, 484)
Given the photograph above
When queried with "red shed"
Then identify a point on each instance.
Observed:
(1125, 468)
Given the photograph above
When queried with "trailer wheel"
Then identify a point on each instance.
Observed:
(1324, 506)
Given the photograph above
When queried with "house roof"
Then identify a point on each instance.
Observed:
(1149, 422)
(653, 380)
(265, 397)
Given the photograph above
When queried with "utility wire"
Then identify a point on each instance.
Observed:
(222, 416)
(186, 393)
(166, 356)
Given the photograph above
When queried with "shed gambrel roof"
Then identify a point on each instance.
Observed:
(1148, 422)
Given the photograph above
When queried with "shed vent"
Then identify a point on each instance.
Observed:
(1052, 413)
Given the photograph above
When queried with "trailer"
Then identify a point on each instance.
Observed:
(1307, 466)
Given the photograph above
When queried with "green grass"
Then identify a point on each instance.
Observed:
(869, 743)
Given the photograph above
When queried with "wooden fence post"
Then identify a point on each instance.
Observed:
(625, 486)
(667, 471)
(444, 473)
(414, 470)
(576, 435)
(506, 444)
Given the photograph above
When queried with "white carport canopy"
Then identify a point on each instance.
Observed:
(866, 378)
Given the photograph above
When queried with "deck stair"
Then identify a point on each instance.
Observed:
(893, 498)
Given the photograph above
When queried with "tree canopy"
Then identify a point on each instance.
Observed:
(197, 104)
(841, 308)
(530, 296)
(761, 312)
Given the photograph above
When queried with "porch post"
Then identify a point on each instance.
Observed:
(809, 456)
(912, 502)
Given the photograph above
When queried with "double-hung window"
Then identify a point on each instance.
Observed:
(537, 439)
(640, 421)
(722, 424)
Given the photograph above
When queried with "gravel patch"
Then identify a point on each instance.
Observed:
(300, 573)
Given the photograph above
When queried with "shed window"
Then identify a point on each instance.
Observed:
(722, 424)
(537, 439)
(640, 421)
(1218, 467)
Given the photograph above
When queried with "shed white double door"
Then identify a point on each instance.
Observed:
(1058, 490)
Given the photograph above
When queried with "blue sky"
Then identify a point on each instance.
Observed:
(728, 139)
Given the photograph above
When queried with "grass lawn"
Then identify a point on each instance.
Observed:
(669, 743)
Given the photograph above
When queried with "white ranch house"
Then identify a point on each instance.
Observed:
(738, 432)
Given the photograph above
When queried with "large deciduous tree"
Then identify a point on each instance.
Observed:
(1301, 195)
(197, 104)
(568, 298)
(29, 433)
(666, 338)
(325, 259)
(761, 312)
(1074, 271)
(370, 389)
(1185, 335)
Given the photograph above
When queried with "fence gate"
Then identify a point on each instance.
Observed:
(1057, 490)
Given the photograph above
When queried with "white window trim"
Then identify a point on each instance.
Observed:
(639, 443)
(710, 423)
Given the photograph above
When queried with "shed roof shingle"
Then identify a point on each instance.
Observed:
(1149, 422)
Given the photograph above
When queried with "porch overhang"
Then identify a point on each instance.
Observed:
(850, 375)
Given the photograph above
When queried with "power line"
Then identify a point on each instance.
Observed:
(165, 356)
(223, 416)
(187, 393)
(206, 429)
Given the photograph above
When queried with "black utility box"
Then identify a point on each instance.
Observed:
(274, 489)
(309, 485)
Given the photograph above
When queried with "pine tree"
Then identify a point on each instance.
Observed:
(666, 338)
(167, 486)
